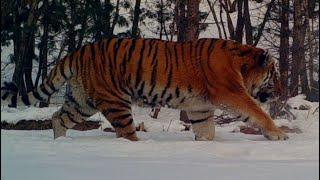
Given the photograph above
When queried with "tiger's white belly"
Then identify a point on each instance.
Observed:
(185, 101)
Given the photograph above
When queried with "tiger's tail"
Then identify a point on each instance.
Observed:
(61, 73)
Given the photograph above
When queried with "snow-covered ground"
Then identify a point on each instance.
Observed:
(164, 152)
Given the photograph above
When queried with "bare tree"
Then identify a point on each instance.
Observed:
(43, 55)
(215, 17)
(192, 32)
(108, 9)
(24, 40)
(284, 46)
(187, 31)
(228, 10)
(222, 23)
(135, 22)
(298, 50)
(247, 22)
(262, 25)
(240, 22)
(161, 20)
(115, 20)
(180, 19)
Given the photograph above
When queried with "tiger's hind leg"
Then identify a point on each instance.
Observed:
(120, 117)
(76, 109)
(68, 116)
(202, 125)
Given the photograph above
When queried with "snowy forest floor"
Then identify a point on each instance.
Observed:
(164, 152)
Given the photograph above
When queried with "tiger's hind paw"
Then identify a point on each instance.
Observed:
(132, 136)
(58, 129)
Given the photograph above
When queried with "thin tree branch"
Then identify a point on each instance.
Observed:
(265, 19)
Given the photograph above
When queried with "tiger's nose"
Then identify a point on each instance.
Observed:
(263, 97)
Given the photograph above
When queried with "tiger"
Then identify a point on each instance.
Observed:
(111, 75)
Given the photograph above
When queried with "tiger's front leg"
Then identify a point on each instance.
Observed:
(202, 125)
(244, 104)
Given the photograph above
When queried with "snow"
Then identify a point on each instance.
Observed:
(300, 100)
(13, 115)
(164, 152)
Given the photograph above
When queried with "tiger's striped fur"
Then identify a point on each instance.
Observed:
(110, 75)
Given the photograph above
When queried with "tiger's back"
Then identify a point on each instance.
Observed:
(148, 71)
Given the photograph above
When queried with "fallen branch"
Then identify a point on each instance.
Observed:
(46, 124)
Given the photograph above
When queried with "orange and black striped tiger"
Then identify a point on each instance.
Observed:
(110, 75)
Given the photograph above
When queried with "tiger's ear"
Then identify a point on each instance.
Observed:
(263, 59)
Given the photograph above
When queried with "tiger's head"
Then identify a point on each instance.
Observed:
(259, 71)
(270, 89)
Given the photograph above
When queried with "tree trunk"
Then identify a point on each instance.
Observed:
(82, 32)
(6, 9)
(247, 22)
(84, 26)
(17, 77)
(43, 57)
(28, 61)
(215, 17)
(135, 23)
(222, 23)
(71, 30)
(24, 47)
(303, 76)
(98, 18)
(193, 20)
(71, 43)
(265, 19)
(161, 19)
(116, 16)
(284, 46)
(108, 9)
(192, 35)
(303, 72)
(311, 47)
(313, 94)
(297, 46)
(311, 6)
(190, 32)
(240, 23)
(181, 19)
(229, 20)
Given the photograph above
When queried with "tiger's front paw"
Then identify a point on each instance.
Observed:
(275, 135)
(132, 136)
(204, 131)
